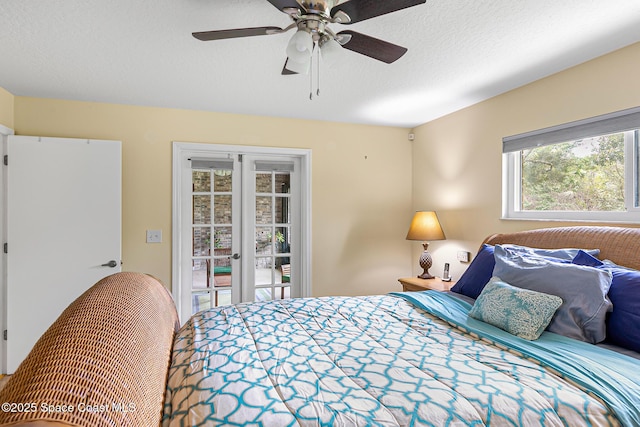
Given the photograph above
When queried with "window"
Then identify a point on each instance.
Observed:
(585, 170)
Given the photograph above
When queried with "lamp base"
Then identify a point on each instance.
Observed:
(425, 262)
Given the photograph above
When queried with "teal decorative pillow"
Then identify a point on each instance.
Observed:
(521, 312)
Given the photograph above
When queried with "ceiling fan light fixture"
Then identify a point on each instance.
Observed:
(299, 67)
(330, 51)
(300, 47)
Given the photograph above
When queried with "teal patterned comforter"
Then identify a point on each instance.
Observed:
(373, 361)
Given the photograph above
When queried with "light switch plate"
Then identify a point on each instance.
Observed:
(154, 236)
(464, 256)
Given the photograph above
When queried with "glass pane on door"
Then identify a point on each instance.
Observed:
(272, 236)
(212, 237)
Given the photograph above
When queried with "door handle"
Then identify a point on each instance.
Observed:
(235, 256)
(111, 264)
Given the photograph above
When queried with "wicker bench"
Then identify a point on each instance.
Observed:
(104, 361)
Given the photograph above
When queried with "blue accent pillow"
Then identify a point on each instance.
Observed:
(623, 323)
(521, 312)
(477, 274)
(583, 289)
(583, 258)
(480, 271)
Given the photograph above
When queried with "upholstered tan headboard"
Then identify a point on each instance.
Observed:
(618, 244)
(104, 362)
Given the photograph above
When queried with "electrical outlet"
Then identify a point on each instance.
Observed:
(154, 236)
(464, 256)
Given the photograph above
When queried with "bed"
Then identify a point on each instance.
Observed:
(424, 358)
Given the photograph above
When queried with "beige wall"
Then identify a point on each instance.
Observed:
(6, 108)
(367, 180)
(361, 178)
(457, 159)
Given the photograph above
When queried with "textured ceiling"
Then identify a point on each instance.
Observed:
(141, 52)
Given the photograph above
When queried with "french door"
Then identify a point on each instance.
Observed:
(241, 229)
(214, 223)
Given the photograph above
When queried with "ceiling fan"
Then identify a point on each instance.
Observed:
(311, 19)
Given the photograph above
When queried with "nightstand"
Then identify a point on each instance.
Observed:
(413, 284)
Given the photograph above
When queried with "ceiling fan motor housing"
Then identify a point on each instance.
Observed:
(322, 7)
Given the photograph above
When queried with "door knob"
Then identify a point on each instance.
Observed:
(235, 256)
(111, 264)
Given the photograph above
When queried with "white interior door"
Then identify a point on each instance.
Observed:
(63, 228)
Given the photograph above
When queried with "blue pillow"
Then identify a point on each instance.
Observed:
(520, 312)
(477, 275)
(583, 258)
(583, 289)
(623, 323)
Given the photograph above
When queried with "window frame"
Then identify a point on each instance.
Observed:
(627, 121)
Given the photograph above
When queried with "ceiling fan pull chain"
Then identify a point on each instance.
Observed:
(311, 75)
(311, 82)
(318, 72)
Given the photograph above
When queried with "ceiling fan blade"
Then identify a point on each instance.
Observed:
(372, 47)
(285, 70)
(238, 32)
(359, 10)
(285, 4)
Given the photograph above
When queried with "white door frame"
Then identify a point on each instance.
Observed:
(4, 133)
(185, 150)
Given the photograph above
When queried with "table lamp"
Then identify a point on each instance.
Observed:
(425, 227)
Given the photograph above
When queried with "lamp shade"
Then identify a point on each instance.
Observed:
(425, 227)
